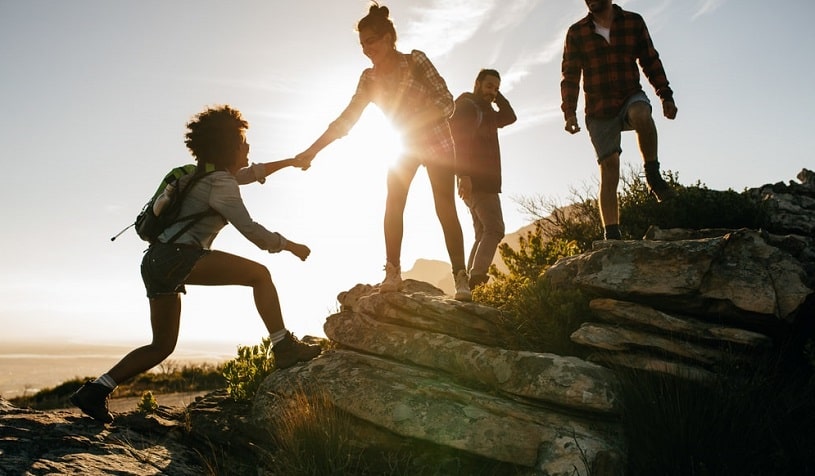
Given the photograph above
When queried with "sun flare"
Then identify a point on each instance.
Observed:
(374, 138)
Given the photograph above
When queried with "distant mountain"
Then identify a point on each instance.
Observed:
(440, 273)
(437, 273)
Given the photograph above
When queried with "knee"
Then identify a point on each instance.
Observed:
(262, 275)
(639, 115)
(495, 230)
(610, 167)
(163, 348)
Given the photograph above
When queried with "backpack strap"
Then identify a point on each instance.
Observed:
(191, 219)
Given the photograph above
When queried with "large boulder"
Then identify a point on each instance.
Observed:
(736, 277)
(420, 365)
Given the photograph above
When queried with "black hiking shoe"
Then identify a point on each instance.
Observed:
(291, 350)
(612, 232)
(478, 280)
(660, 189)
(92, 399)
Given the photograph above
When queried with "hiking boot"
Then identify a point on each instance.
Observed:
(658, 187)
(92, 399)
(612, 232)
(462, 286)
(478, 280)
(393, 279)
(291, 350)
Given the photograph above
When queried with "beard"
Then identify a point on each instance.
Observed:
(598, 6)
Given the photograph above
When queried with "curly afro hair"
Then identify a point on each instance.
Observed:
(214, 134)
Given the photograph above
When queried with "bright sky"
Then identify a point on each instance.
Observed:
(95, 96)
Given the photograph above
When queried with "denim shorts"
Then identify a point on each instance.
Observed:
(605, 132)
(164, 268)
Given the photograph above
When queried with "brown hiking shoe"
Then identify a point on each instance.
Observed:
(291, 350)
(92, 399)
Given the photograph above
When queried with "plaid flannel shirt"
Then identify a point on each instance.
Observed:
(415, 88)
(610, 72)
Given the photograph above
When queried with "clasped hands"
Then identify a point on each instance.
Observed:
(302, 160)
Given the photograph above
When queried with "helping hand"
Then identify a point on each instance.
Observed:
(303, 160)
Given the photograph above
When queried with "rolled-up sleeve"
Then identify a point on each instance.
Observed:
(225, 198)
(253, 173)
(351, 114)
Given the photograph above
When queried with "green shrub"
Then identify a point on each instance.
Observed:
(541, 319)
(148, 403)
(695, 207)
(246, 372)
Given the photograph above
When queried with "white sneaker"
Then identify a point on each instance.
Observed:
(462, 286)
(393, 279)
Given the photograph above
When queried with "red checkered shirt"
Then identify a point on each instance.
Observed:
(610, 72)
(401, 97)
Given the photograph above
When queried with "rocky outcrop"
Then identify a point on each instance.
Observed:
(790, 207)
(418, 368)
(210, 436)
(689, 304)
(423, 366)
(685, 302)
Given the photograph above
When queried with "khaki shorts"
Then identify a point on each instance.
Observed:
(605, 133)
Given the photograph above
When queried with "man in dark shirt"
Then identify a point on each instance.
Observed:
(475, 124)
(604, 48)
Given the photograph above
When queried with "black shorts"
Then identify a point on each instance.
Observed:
(165, 268)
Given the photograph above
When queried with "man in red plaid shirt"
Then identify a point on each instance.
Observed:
(604, 47)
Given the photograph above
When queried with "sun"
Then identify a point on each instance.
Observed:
(373, 140)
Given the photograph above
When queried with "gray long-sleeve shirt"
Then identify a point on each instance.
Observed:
(219, 191)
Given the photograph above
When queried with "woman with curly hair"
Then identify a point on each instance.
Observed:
(217, 139)
(412, 94)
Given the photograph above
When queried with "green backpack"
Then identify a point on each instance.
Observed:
(167, 201)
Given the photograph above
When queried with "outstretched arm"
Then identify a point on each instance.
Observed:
(259, 172)
(303, 159)
(341, 126)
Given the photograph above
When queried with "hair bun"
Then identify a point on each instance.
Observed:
(379, 10)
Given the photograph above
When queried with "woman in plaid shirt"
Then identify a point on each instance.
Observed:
(410, 91)
(604, 47)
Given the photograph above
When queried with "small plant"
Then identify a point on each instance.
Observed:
(148, 403)
(246, 372)
(542, 319)
(312, 437)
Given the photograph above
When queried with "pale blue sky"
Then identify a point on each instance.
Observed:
(95, 96)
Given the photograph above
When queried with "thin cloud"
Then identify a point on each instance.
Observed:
(707, 6)
(437, 29)
(523, 67)
(512, 13)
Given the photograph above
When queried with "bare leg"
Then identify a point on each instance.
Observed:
(639, 116)
(399, 179)
(165, 312)
(609, 181)
(219, 269)
(443, 183)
